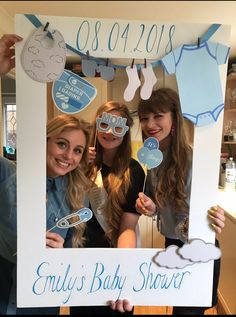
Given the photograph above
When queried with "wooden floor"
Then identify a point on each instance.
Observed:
(149, 310)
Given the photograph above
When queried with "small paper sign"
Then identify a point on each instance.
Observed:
(149, 154)
(71, 93)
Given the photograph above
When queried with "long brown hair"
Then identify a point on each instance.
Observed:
(78, 183)
(173, 171)
(118, 181)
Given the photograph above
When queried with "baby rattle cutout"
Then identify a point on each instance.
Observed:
(110, 121)
(84, 214)
(43, 58)
(150, 155)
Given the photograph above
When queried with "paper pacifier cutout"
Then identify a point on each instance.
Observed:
(84, 214)
(71, 93)
(149, 154)
(110, 121)
(43, 58)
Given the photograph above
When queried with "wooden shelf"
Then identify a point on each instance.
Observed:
(230, 109)
(230, 142)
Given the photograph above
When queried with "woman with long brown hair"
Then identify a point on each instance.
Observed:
(117, 180)
(168, 187)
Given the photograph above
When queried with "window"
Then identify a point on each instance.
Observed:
(10, 128)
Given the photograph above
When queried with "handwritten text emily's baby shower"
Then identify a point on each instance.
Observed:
(67, 282)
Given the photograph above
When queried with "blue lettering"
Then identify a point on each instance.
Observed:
(65, 282)
(153, 280)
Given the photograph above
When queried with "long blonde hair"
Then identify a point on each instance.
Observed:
(78, 183)
(118, 181)
(173, 171)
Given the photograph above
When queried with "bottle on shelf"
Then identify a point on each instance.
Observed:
(230, 174)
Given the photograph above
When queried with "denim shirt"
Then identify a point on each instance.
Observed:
(56, 207)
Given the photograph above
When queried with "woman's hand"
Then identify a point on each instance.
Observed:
(217, 218)
(7, 52)
(54, 240)
(92, 155)
(144, 205)
(121, 305)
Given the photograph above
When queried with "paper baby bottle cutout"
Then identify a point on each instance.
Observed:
(109, 121)
(43, 58)
(149, 154)
(71, 93)
(82, 215)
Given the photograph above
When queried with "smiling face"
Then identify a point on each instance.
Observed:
(157, 125)
(64, 152)
(107, 139)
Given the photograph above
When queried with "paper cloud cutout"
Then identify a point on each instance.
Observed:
(149, 154)
(198, 250)
(170, 259)
(150, 158)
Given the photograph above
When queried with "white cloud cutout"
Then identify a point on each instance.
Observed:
(198, 250)
(170, 259)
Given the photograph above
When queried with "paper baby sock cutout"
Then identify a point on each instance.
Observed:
(134, 83)
(42, 58)
(149, 81)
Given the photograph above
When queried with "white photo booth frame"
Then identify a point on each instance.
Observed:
(74, 277)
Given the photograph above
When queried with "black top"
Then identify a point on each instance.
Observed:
(95, 236)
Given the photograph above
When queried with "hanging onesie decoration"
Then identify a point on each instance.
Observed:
(115, 123)
(150, 155)
(43, 57)
(198, 78)
(71, 93)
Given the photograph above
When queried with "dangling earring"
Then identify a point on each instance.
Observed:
(172, 132)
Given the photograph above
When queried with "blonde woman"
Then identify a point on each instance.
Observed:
(67, 151)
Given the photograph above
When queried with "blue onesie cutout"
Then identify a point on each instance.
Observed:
(198, 79)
